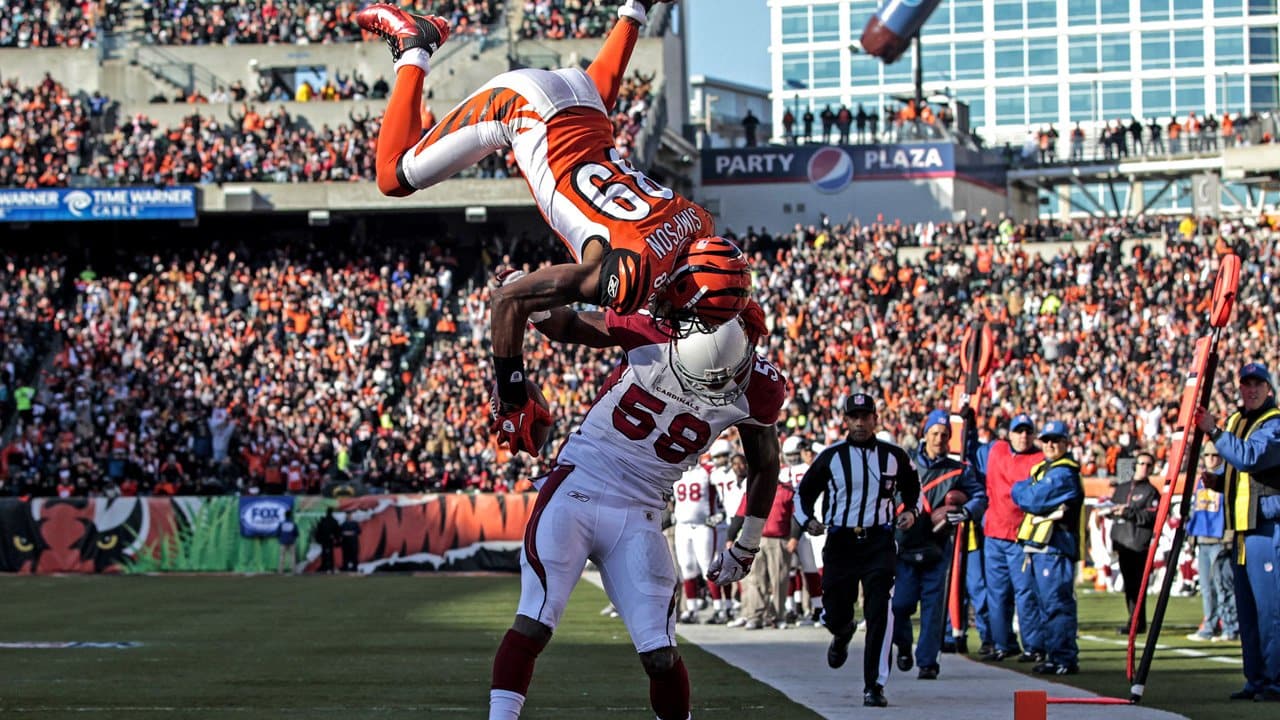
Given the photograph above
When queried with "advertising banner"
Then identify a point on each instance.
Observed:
(261, 516)
(79, 204)
(426, 532)
(828, 168)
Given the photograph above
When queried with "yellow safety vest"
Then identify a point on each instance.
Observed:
(1036, 531)
(1238, 513)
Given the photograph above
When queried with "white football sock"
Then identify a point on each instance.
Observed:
(634, 10)
(815, 602)
(718, 604)
(505, 705)
(417, 57)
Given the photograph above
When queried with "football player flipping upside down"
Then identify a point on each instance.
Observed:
(637, 245)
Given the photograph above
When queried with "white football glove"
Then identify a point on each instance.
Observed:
(731, 565)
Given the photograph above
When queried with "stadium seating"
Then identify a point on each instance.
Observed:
(368, 364)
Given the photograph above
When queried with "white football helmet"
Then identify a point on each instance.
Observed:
(791, 449)
(714, 366)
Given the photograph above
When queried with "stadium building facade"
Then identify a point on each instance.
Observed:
(1020, 65)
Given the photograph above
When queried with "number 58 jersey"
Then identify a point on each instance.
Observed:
(644, 429)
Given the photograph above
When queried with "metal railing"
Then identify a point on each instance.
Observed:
(171, 68)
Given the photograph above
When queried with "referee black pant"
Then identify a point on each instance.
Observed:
(851, 558)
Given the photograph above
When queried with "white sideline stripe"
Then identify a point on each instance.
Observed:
(1184, 652)
(257, 709)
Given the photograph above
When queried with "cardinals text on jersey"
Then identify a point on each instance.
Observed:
(645, 430)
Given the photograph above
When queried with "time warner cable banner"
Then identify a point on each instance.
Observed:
(76, 204)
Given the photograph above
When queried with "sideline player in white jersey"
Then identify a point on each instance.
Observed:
(697, 513)
(654, 417)
(731, 486)
(809, 549)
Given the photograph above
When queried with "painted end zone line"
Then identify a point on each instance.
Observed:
(69, 645)
(1184, 652)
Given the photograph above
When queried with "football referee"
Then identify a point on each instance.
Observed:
(862, 478)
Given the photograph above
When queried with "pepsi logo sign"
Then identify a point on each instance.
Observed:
(830, 170)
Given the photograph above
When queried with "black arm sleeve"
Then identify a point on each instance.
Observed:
(735, 527)
(908, 480)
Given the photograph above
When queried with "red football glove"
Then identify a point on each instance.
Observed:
(753, 321)
(514, 427)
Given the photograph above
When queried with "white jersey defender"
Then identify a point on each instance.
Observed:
(603, 501)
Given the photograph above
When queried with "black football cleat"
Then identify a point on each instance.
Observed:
(875, 697)
(403, 30)
(838, 650)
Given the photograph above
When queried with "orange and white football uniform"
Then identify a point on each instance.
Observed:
(603, 501)
(556, 123)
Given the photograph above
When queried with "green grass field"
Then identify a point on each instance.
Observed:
(401, 646)
(323, 647)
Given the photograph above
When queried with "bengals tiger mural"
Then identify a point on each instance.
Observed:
(200, 534)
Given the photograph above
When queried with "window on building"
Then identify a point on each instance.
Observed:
(1155, 50)
(1115, 52)
(1264, 92)
(1228, 8)
(826, 22)
(937, 62)
(1011, 104)
(1228, 46)
(1157, 98)
(966, 16)
(902, 71)
(1082, 12)
(1153, 10)
(1082, 53)
(1188, 9)
(1114, 12)
(1042, 13)
(795, 70)
(860, 11)
(1042, 56)
(1262, 7)
(1188, 96)
(976, 99)
(1081, 103)
(1009, 59)
(939, 23)
(795, 24)
(864, 70)
(1042, 103)
(1008, 15)
(1233, 88)
(1117, 99)
(826, 69)
(969, 63)
(1188, 48)
(1262, 45)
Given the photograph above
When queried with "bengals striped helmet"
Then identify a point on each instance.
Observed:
(709, 286)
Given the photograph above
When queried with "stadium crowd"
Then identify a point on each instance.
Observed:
(561, 19)
(55, 23)
(50, 135)
(292, 370)
(239, 22)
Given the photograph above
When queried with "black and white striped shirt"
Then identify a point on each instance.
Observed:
(863, 483)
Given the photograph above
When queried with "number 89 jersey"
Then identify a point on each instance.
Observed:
(644, 429)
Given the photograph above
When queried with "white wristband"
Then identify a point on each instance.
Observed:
(538, 316)
(634, 10)
(752, 527)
